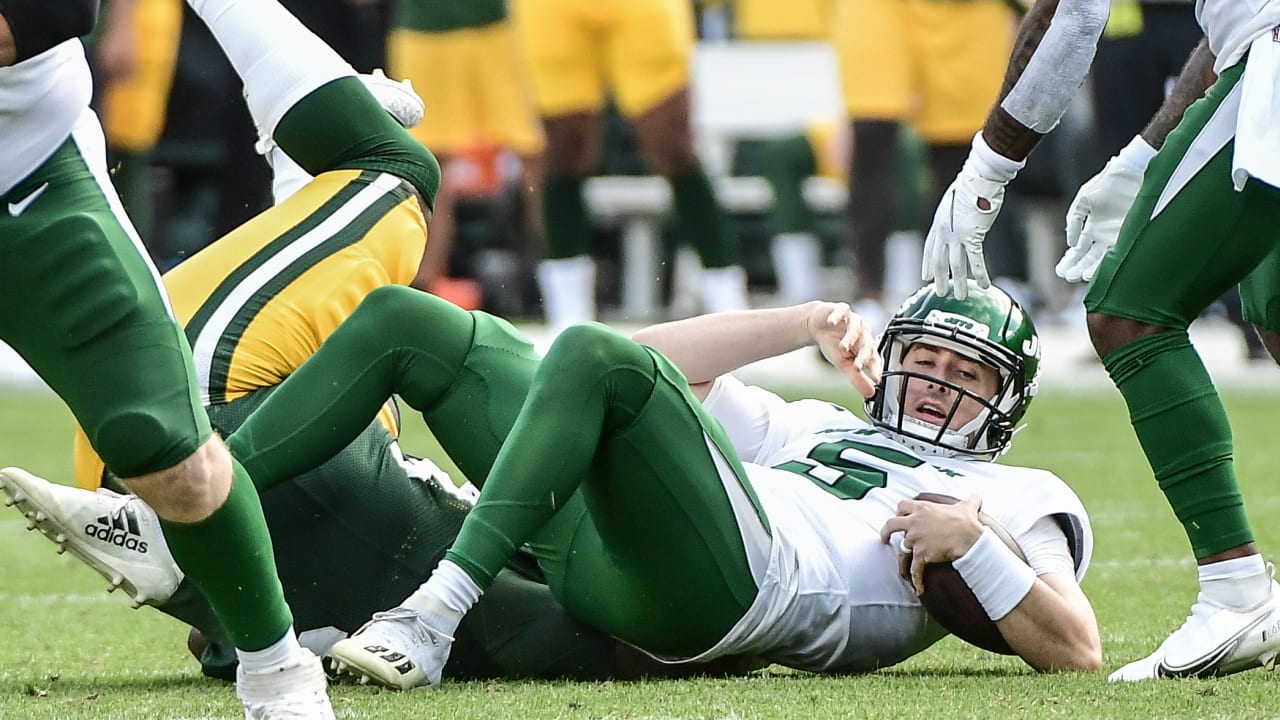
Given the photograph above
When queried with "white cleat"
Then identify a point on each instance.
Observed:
(1213, 641)
(396, 649)
(398, 98)
(294, 692)
(117, 535)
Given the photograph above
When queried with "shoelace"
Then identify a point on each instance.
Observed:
(420, 632)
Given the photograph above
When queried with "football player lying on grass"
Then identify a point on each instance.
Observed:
(702, 518)
(747, 526)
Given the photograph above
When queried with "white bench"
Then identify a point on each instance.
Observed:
(738, 90)
(638, 206)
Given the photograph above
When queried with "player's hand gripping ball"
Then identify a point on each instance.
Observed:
(948, 598)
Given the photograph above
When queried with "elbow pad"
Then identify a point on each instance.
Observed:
(39, 25)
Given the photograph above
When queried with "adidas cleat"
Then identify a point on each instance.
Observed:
(117, 535)
(396, 649)
(1214, 641)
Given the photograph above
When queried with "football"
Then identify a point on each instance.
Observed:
(949, 600)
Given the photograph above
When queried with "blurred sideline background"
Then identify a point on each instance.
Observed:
(778, 93)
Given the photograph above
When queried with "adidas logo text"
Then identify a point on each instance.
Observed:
(119, 529)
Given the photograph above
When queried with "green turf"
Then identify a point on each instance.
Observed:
(68, 650)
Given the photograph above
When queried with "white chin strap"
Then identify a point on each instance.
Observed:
(945, 447)
(950, 442)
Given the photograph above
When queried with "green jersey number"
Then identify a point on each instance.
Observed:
(846, 478)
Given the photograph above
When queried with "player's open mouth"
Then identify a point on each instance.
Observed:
(933, 410)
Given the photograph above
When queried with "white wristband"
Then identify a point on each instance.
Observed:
(1136, 155)
(990, 164)
(997, 577)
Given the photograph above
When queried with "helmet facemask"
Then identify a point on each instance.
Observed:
(927, 320)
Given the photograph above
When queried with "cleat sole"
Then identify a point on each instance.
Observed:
(1268, 661)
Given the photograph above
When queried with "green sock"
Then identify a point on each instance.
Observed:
(786, 163)
(340, 126)
(568, 229)
(1183, 429)
(706, 223)
(228, 557)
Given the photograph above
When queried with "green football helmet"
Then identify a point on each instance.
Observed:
(988, 326)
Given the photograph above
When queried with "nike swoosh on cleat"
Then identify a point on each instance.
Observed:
(1206, 664)
(17, 208)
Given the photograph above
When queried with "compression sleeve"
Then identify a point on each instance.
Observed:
(1058, 68)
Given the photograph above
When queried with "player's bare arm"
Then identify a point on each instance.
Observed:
(709, 346)
(117, 46)
(1051, 55)
(1052, 627)
(1004, 134)
(1192, 83)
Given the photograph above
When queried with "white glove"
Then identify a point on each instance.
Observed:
(423, 470)
(1099, 209)
(953, 247)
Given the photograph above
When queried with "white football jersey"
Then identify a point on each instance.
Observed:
(41, 99)
(831, 598)
(1232, 25)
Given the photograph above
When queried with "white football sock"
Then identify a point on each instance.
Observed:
(281, 653)
(568, 291)
(1240, 583)
(903, 251)
(445, 597)
(724, 289)
(279, 60)
(797, 258)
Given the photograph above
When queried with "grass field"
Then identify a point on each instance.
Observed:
(68, 650)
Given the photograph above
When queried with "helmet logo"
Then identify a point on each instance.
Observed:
(1031, 346)
(962, 322)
